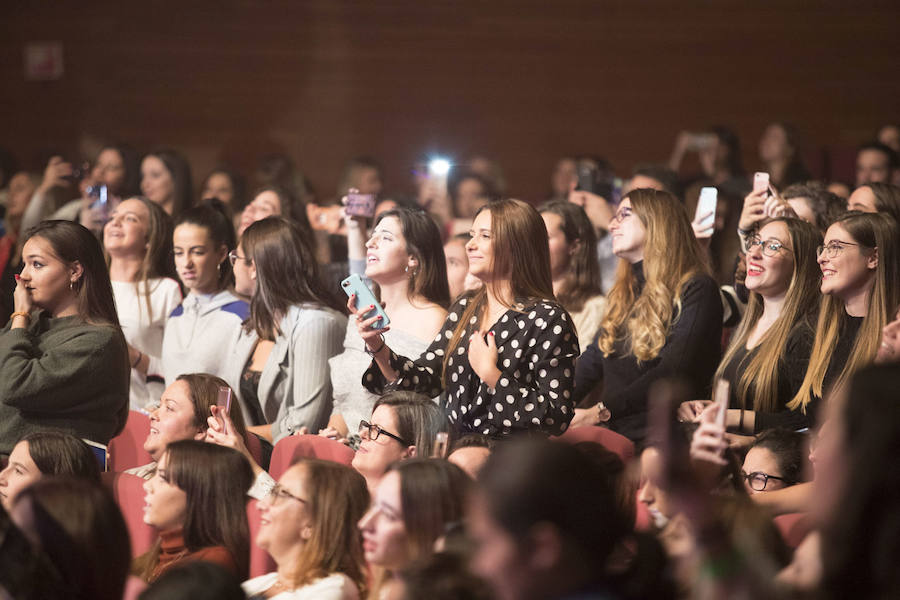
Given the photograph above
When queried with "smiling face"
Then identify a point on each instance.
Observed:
(244, 273)
(770, 276)
(862, 199)
(387, 259)
(126, 231)
(851, 272)
(197, 259)
(19, 473)
(265, 204)
(109, 170)
(480, 247)
(165, 504)
(385, 539)
(628, 233)
(172, 420)
(47, 278)
(374, 456)
(285, 520)
(157, 183)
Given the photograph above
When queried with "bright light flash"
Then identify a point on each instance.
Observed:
(439, 166)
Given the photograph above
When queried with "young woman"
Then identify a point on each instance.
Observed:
(166, 180)
(876, 197)
(574, 267)
(182, 414)
(776, 460)
(664, 316)
(199, 331)
(415, 503)
(197, 501)
(860, 263)
(227, 186)
(138, 244)
(309, 529)
(506, 353)
(405, 258)
(65, 365)
(278, 362)
(780, 154)
(766, 360)
(273, 201)
(43, 454)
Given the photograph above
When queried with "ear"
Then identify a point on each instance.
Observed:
(76, 271)
(872, 259)
(200, 435)
(575, 247)
(251, 270)
(412, 263)
(306, 533)
(410, 452)
(546, 546)
(222, 254)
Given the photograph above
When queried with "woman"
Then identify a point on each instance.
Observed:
(308, 527)
(860, 263)
(574, 267)
(876, 197)
(21, 188)
(779, 152)
(198, 333)
(138, 244)
(79, 529)
(278, 362)
(776, 460)
(196, 500)
(664, 316)
(405, 258)
(227, 186)
(766, 360)
(63, 334)
(42, 454)
(274, 201)
(416, 503)
(166, 180)
(506, 353)
(182, 414)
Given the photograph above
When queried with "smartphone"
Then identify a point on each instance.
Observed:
(364, 297)
(720, 397)
(587, 178)
(223, 401)
(100, 205)
(360, 205)
(760, 181)
(707, 205)
(100, 452)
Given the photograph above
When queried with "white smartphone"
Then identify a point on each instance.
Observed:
(720, 397)
(760, 181)
(706, 206)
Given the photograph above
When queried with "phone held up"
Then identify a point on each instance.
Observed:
(360, 205)
(354, 285)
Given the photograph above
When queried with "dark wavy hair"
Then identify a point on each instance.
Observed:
(212, 215)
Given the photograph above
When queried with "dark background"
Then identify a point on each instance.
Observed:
(520, 81)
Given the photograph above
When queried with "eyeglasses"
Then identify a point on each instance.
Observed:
(758, 480)
(621, 215)
(770, 247)
(278, 494)
(833, 248)
(373, 431)
(233, 257)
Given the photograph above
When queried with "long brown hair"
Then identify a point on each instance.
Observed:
(672, 257)
(521, 256)
(73, 243)
(287, 274)
(583, 279)
(758, 381)
(337, 499)
(204, 393)
(215, 480)
(876, 233)
(418, 419)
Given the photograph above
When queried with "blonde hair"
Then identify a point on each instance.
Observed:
(759, 377)
(875, 233)
(672, 257)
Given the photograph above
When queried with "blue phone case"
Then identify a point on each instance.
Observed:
(364, 297)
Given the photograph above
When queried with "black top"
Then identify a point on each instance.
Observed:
(692, 352)
(537, 347)
(792, 365)
(846, 340)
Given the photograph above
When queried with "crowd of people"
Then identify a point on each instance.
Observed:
(619, 392)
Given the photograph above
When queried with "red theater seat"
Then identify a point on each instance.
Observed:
(126, 450)
(307, 446)
(128, 491)
(612, 441)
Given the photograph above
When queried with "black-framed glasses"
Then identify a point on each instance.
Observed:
(833, 248)
(373, 431)
(758, 480)
(233, 257)
(770, 247)
(278, 494)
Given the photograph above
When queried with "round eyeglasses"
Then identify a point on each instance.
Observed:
(833, 249)
(770, 247)
(758, 480)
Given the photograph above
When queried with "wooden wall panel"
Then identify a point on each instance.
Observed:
(524, 82)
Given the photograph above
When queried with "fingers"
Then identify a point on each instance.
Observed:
(351, 304)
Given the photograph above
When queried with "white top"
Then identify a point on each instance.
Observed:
(143, 330)
(587, 320)
(336, 586)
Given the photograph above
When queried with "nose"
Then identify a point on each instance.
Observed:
(822, 258)
(645, 494)
(470, 244)
(365, 524)
(154, 414)
(755, 251)
(148, 485)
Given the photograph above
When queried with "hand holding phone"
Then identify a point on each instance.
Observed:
(354, 286)
(360, 205)
(760, 181)
(223, 404)
(705, 216)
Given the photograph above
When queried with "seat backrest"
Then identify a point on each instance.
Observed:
(126, 450)
(128, 491)
(260, 560)
(612, 441)
(307, 446)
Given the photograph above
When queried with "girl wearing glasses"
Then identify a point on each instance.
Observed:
(196, 500)
(776, 460)
(278, 362)
(860, 264)
(138, 244)
(664, 316)
(308, 526)
(766, 360)
(199, 331)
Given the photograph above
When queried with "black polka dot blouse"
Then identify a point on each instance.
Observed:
(537, 347)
